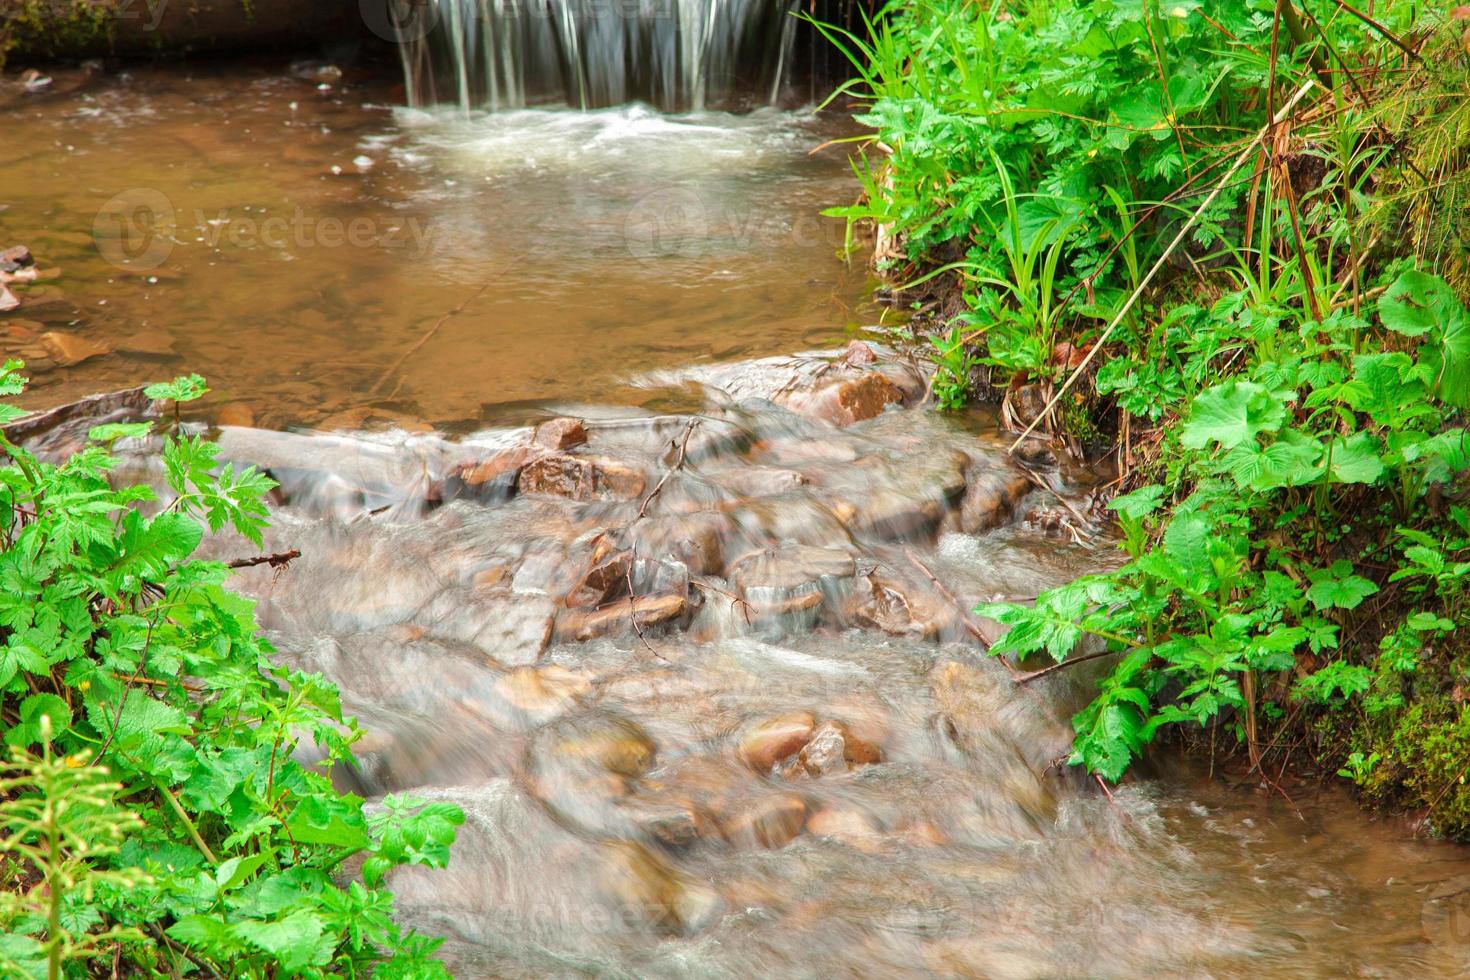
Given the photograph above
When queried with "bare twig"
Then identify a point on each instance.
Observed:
(428, 335)
(1062, 665)
(279, 560)
(678, 464)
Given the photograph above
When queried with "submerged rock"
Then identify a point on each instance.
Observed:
(774, 740)
(647, 610)
(560, 434)
(581, 478)
(69, 349)
(768, 821)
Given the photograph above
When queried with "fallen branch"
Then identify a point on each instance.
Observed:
(1062, 664)
(428, 335)
(678, 464)
(279, 560)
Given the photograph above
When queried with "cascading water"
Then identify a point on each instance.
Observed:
(678, 55)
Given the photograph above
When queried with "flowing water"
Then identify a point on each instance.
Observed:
(698, 669)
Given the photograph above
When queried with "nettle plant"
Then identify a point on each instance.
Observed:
(1258, 565)
(155, 813)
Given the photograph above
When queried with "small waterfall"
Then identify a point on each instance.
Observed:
(678, 55)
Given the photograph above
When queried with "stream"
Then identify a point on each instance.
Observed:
(624, 526)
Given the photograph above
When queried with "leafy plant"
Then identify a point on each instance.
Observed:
(133, 651)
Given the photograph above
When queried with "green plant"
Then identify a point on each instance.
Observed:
(953, 363)
(134, 651)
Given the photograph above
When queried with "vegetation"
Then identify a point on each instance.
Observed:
(1225, 240)
(155, 815)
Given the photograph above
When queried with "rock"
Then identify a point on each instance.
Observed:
(542, 692)
(235, 413)
(850, 826)
(863, 398)
(883, 600)
(774, 740)
(489, 479)
(604, 741)
(560, 434)
(790, 579)
(991, 494)
(696, 539)
(23, 331)
(859, 354)
(769, 821)
(150, 342)
(8, 300)
(581, 478)
(1026, 402)
(831, 750)
(647, 886)
(606, 580)
(68, 349)
(16, 257)
(649, 610)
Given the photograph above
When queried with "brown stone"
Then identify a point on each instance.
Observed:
(607, 742)
(844, 824)
(770, 821)
(492, 477)
(488, 578)
(235, 413)
(542, 691)
(832, 750)
(560, 434)
(859, 354)
(640, 881)
(148, 341)
(606, 580)
(649, 610)
(68, 349)
(775, 739)
(16, 257)
(991, 494)
(865, 396)
(581, 478)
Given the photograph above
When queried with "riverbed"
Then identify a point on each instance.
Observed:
(626, 526)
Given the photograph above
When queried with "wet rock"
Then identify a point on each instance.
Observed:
(64, 429)
(542, 692)
(68, 349)
(8, 300)
(673, 823)
(581, 478)
(606, 580)
(846, 824)
(759, 481)
(648, 887)
(991, 494)
(1026, 402)
(831, 750)
(15, 258)
(859, 354)
(149, 342)
(775, 739)
(488, 479)
(648, 610)
(603, 741)
(851, 400)
(768, 821)
(898, 606)
(790, 579)
(697, 540)
(560, 434)
(235, 413)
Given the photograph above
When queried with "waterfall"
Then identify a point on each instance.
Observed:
(678, 55)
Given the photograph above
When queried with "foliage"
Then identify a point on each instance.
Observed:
(1292, 387)
(119, 649)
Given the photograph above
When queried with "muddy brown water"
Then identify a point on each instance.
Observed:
(798, 762)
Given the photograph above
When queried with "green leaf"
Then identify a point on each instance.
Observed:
(1417, 303)
(1337, 588)
(1140, 502)
(1231, 414)
(28, 731)
(1354, 459)
(181, 389)
(294, 941)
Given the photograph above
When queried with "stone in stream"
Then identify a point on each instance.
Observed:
(771, 741)
(848, 401)
(606, 580)
(15, 258)
(8, 300)
(618, 617)
(542, 693)
(858, 353)
(493, 478)
(695, 539)
(646, 885)
(581, 478)
(767, 821)
(559, 434)
(991, 495)
(790, 580)
(847, 825)
(899, 605)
